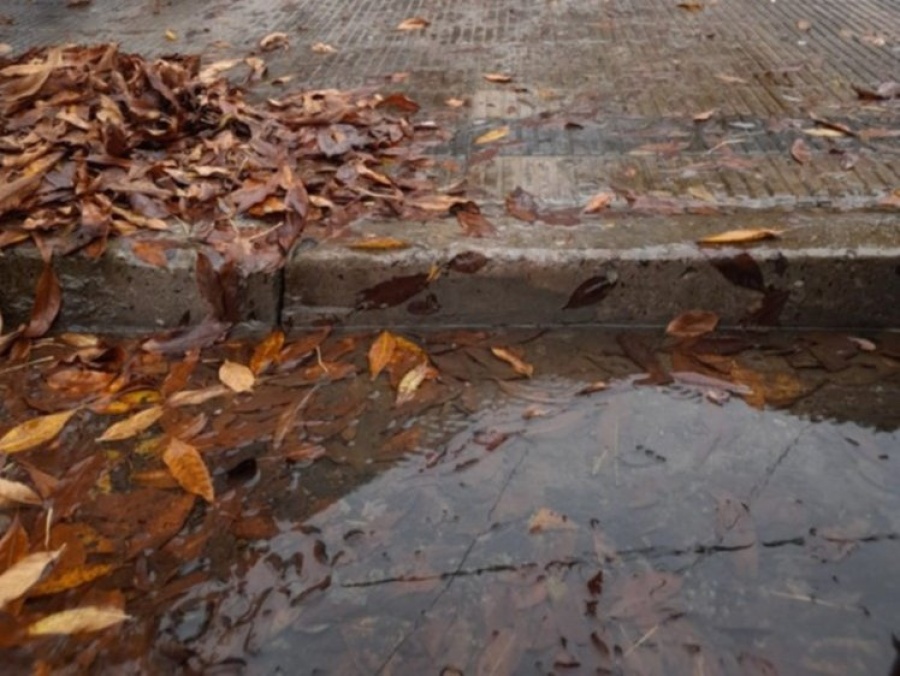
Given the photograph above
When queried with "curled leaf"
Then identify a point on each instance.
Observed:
(519, 366)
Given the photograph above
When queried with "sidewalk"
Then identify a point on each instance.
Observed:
(693, 118)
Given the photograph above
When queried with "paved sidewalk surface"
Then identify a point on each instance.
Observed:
(687, 114)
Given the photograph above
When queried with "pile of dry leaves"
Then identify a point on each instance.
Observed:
(95, 143)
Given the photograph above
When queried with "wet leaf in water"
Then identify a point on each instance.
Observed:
(741, 236)
(237, 377)
(47, 302)
(410, 382)
(134, 425)
(78, 620)
(32, 433)
(468, 262)
(692, 324)
(519, 366)
(381, 352)
(15, 491)
(267, 352)
(188, 468)
(741, 270)
(473, 222)
(392, 292)
(24, 574)
(547, 519)
(591, 291)
(522, 205)
(492, 135)
(413, 23)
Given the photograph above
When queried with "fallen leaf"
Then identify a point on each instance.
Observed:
(413, 24)
(196, 397)
(381, 352)
(24, 574)
(803, 25)
(472, 221)
(522, 205)
(171, 35)
(702, 193)
(411, 382)
(690, 5)
(399, 101)
(730, 79)
(78, 620)
(547, 519)
(492, 135)
(274, 41)
(323, 48)
(800, 151)
(34, 432)
(864, 344)
(592, 291)
(188, 468)
(237, 377)
(598, 202)
(378, 244)
(705, 115)
(501, 78)
(590, 388)
(741, 236)
(519, 366)
(826, 132)
(267, 352)
(692, 323)
(134, 425)
(14, 491)
(71, 578)
(455, 103)
(212, 72)
(48, 300)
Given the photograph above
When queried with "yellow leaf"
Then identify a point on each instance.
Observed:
(171, 35)
(519, 366)
(236, 377)
(413, 24)
(492, 135)
(78, 620)
(741, 236)
(133, 425)
(23, 574)
(267, 352)
(381, 352)
(34, 432)
(14, 491)
(378, 244)
(71, 579)
(195, 397)
(131, 400)
(188, 468)
(411, 382)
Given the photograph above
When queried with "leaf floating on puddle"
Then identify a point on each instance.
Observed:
(410, 382)
(741, 236)
(267, 352)
(692, 324)
(188, 468)
(34, 432)
(78, 620)
(521, 367)
(381, 352)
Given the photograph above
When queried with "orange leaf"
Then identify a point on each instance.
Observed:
(381, 352)
(413, 24)
(598, 202)
(692, 323)
(188, 468)
(741, 236)
(501, 78)
(492, 135)
(378, 244)
(267, 352)
(34, 432)
(237, 377)
(518, 365)
(133, 425)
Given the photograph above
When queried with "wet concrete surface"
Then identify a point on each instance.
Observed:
(553, 524)
(603, 98)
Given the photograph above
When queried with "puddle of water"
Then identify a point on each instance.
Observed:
(635, 529)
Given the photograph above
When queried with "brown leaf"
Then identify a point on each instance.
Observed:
(741, 236)
(547, 519)
(800, 151)
(413, 24)
(473, 223)
(519, 366)
(692, 323)
(267, 352)
(134, 425)
(690, 5)
(381, 352)
(78, 620)
(237, 377)
(592, 291)
(400, 102)
(492, 135)
(392, 292)
(34, 432)
(14, 491)
(48, 299)
(522, 205)
(188, 468)
(323, 48)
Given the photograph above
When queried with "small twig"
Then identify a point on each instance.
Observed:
(641, 640)
(19, 367)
